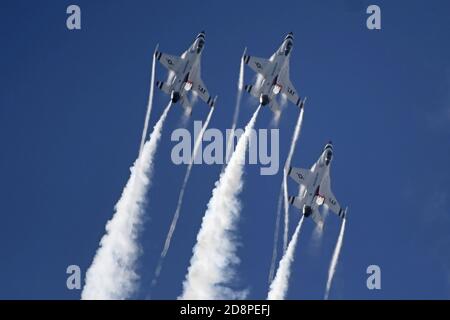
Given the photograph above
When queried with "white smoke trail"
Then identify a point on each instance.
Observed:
(295, 136)
(286, 212)
(214, 255)
(334, 260)
(236, 108)
(173, 225)
(112, 274)
(282, 198)
(149, 104)
(275, 234)
(279, 286)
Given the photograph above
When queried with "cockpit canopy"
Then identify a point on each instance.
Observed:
(200, 44)
(328, 156)
(288, 48)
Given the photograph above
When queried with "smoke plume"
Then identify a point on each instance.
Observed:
(280, 284)
(173, 225)
(282, 200)
(149, 104)
(334, 260)
(214, 255)
(112, 274)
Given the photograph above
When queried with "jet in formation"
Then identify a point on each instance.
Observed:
(273, 77)
(315, 189)
(184, 75)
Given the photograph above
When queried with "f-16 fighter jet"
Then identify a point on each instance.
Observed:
(273, 77)
(315, 188)
(184, 75)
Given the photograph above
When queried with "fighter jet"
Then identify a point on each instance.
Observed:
(315, 188)
(273, 77)
(184, 75)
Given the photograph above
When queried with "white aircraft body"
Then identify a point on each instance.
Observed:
(184, 75)
(273, 77)
(315, 189)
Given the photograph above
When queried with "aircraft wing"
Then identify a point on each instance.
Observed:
(259, 65)
(291, 93)
(301, 176)
(199, 87)
(170, 62)
(330, 200)
(289, 90)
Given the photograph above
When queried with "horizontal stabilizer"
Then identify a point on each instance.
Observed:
(163, 86)
(296, 202)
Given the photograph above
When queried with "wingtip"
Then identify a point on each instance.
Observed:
(303, 102)
(245, 52)
(245, 57)
(214, 101)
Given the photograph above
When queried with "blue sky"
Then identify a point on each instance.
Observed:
(72, 105)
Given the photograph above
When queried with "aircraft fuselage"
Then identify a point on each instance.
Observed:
(310, 195)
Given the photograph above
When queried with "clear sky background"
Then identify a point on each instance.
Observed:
(72, 106)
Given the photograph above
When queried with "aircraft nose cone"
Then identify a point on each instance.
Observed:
(202, 34)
